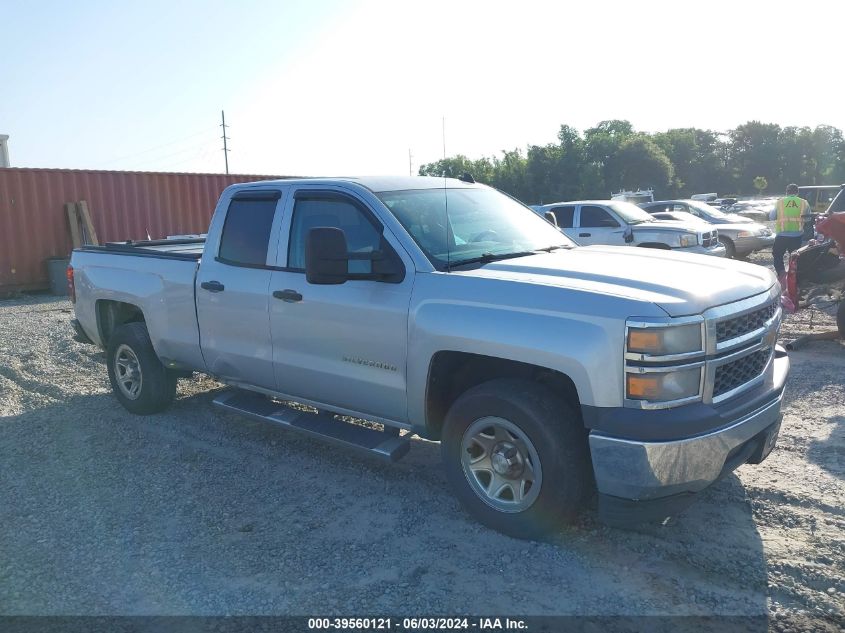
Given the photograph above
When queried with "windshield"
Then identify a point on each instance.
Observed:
(631, 213)
(708, 211)
(481, 223)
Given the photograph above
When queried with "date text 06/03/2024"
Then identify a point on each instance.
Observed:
(416, 624)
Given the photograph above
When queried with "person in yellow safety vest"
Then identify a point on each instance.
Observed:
(789, 214)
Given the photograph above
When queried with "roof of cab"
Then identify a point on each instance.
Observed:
(377, 184)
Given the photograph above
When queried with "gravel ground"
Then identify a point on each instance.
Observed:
(199, 512)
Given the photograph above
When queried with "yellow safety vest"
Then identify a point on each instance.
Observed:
(789, 211)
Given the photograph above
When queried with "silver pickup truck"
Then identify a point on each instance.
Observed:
(448, 310)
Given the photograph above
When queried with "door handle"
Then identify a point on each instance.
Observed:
(584, 234)
(291, 296)
(212, 286)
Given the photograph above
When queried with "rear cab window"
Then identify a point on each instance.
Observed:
(565, 216)
(246, 232)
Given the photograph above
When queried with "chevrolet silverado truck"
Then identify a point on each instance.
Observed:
(448, 310)
(619, 223)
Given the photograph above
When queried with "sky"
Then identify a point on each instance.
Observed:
(333, 87)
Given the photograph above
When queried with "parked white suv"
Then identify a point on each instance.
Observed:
(619, 223)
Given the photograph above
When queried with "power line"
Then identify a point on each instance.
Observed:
(158, 159)
(152, 149)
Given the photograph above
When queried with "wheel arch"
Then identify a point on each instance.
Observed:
(112, 314)
(451, 373)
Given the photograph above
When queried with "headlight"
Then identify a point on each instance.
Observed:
(689, 240)
(665, 341)
(663, 386)
(765, 231)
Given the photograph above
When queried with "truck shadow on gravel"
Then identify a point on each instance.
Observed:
(198, 512)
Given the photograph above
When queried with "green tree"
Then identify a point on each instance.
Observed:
(639, 162)
(697, 158)
(677, 162)
(755, 149)
(760, 184)
(601, 144)
(453, 167)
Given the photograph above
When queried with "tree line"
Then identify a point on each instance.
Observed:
(677, 163)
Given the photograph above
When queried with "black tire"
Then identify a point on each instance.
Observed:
(157, 385)
(730, 247)
(560, 442)
(840, 319)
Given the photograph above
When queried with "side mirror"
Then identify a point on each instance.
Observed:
(550, 217)
(326, 256)
(628, 235)
(327, 260)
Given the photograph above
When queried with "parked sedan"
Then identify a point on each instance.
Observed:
(754, 210)
(741, 236)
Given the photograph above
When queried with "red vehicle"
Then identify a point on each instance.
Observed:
(821, 262)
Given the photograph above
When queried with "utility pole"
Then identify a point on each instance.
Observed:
(225, 138)
(410, 163)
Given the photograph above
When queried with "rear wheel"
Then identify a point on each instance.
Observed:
(516, 457)
(139, 381)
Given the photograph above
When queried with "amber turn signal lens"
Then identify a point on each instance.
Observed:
(643, 386)
(644, 340)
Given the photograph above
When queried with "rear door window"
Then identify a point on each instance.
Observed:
(565, 216)
(246, 232)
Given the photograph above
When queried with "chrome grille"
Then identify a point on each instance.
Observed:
(732, 328)
(736, 373)
(709, 239)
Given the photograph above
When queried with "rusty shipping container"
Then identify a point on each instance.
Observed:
(123, 205)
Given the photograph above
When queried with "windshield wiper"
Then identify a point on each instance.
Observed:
(549, 249)
(486, 258)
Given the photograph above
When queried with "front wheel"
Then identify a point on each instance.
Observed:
(516, 457)
(139, 381)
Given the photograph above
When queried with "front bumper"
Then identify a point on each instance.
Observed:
(746, 245)
(716, 251)
(642, 480)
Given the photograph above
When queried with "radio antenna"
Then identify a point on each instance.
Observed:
(445, 196)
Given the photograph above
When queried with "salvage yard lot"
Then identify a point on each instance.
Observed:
(199, 512)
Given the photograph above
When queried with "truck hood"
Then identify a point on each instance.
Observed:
(671, 225)
(679, 283)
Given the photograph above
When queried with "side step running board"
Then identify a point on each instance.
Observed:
(387, 445)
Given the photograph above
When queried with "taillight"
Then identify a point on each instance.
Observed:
(71, 287)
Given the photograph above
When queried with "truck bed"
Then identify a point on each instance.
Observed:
(190, 249)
